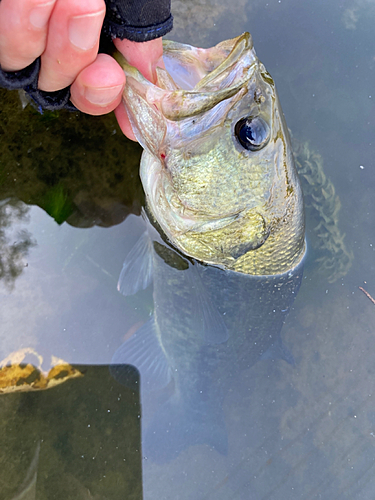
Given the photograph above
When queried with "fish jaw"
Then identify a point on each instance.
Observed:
(215, 200)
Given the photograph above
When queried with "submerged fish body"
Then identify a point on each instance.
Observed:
(208, 326)
(224, 243)
(217, 167)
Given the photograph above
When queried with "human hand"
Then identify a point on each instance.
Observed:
(65, 33)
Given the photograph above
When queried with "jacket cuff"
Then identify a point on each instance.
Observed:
(138, 34)
(50, 101)
(138, 20)
(14, 80)
(27, 80)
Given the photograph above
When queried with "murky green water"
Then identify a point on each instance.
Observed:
(69, 215)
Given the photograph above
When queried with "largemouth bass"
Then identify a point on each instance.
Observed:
(226, 242)
(217, 167)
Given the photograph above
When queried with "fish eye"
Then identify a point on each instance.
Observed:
(253, 133)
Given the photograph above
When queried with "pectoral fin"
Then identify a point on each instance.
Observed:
(215, 330)
(142, 350)
(136, 271)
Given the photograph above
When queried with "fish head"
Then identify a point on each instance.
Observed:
(217, 167)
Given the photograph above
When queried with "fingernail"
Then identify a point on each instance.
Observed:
(84, 31)
(40, 15)
(103, 96)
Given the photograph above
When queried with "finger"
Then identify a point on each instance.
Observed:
(123, 121)
(72, 42)
(98, 88)
(23, 31)
(145, 56)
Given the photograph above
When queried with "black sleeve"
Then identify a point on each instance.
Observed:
(27, 79)
(136, 20)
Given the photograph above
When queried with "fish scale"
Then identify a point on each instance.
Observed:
(204, 188)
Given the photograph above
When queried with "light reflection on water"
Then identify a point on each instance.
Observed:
(292, 432)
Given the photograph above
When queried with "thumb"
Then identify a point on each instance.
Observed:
(145, 56)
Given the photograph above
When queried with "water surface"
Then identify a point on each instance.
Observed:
(70, 214)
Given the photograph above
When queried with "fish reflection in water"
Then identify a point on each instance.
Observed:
(208, 326)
